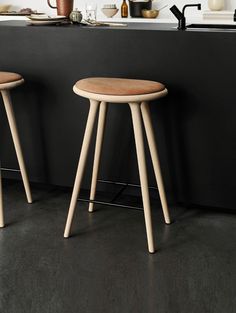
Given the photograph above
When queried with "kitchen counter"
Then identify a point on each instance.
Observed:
(137, 26)
(129, 26)
(133, 25)
(195, 125)
(144, 25)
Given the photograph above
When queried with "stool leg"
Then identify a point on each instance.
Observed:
(1, 204)
(81, 165)
(97, 154)
(16, 141)
(155, 159)
(137, 124)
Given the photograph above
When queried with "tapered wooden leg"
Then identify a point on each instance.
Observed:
(138, 134)
(97, 154)
(155, 159)
(81, 165)
(1, 204)
(16, 141)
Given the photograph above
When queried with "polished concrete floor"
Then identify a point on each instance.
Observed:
(104, 267)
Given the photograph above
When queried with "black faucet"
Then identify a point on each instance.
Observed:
(180, 15)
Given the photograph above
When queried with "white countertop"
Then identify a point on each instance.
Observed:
(190, 19)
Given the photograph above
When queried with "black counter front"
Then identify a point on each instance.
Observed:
(195, 125)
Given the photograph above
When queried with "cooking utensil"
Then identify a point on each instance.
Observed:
(95, 23)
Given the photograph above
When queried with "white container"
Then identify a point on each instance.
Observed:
(109, 12)
(216, 5)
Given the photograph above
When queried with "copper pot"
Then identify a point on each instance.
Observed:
(64, 7)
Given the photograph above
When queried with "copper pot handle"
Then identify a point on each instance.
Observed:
(51, 6)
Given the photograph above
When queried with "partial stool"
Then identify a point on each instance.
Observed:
(136, 93)
(7, 82)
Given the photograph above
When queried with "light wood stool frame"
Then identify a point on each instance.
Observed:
(5, 92)
(139, 107)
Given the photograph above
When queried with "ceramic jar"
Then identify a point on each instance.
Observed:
(216, 5)
(76, 16)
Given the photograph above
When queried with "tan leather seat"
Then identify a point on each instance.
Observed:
(119, 86)
(6, 77)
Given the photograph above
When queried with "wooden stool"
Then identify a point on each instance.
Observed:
(7, 82)
(137, 93)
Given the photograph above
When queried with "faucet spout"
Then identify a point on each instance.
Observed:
(180, 15)
(198, 5)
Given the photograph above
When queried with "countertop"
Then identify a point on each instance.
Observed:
(129, 26)
(133, 26)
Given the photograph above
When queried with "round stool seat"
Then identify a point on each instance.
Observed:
(10, 80)
(119, 89)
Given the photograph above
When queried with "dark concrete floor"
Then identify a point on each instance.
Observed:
(104, 267)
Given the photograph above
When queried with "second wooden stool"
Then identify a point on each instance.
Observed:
(136, 93)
